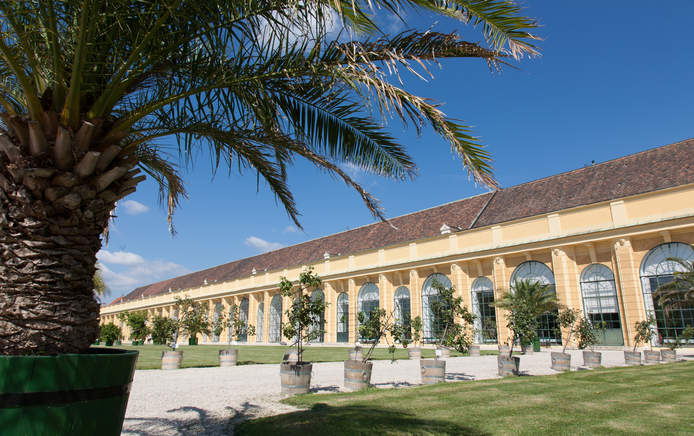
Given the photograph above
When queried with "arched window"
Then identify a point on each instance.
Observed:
(367, 299)
(275, 333)
(342, 318)
(260, 320)
(656, 270)
(534, 271)
(482, 300)
(243, 317)
(431, 322)
(600, 302)
(218, 308)
(318, 323)
(402, 305)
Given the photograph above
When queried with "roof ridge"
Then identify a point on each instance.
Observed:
(648, 150)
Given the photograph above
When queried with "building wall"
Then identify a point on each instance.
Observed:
(617, 234)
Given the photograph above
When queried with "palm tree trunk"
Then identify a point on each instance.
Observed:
(51, 221)
(47, 264)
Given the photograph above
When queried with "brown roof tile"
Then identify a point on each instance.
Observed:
(654, 169)
(650, 170)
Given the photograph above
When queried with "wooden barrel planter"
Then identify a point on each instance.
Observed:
(650, 356)
(290, 356)
(561, 361)
(443, 352)
(504, 350)
(357, 374)
(355, 353)
(171, 359)
(414, 353)
(295, 377)
(508, 365)
(228, 357)
(668, 355)
(474, 350)
(592, 359)
(66, 394)
(527, 348)
(433, 371)
(632, 357)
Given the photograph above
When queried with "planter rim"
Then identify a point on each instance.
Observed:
(89, 352)
(297, 363)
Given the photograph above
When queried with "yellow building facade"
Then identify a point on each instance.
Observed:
(603, 251)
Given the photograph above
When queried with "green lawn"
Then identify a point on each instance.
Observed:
(652, 400)
(207, 355)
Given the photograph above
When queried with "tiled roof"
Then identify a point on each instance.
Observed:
(651, 170)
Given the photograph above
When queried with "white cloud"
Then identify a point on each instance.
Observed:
(119, 257)
(122, 271)
(262, 245)
(352, 170)
(290, 229)
(133, 207)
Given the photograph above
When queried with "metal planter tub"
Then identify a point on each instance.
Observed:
(632, 357)
(433, 371)
(651, 356)
(357, 374)
(71, 394)
(228, 357)
(295, 377)
(508, 365)
(592, 359)
(171, 359)
(560, 361)
(668, 355)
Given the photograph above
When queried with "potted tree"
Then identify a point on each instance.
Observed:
(401, 333)
(670, 355)
(416, 326)
(526, 301)
(137, 324)
(296, 376)
(644, 334)
(455, 332)
(162, 330)
(110, 333)
(193, 319)
(236, 328)
(588, 335)
(567, 318)
(373, 327)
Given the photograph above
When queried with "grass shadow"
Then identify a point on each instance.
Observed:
(351, 420)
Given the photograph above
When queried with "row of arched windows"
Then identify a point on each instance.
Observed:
(597, 284)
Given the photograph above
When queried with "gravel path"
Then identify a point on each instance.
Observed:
(209, 401)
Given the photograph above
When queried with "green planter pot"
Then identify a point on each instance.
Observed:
(192, 341)
(67, 394)
(117, 343)
(109, 343)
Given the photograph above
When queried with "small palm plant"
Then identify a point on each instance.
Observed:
(526, 301)
(680, 291)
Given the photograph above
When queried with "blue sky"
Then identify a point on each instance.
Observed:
(614, 78)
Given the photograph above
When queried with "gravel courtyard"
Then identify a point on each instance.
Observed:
(210, 401)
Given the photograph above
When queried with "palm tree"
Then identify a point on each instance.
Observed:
(680, 291)
(529, 299)
(89, 90)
